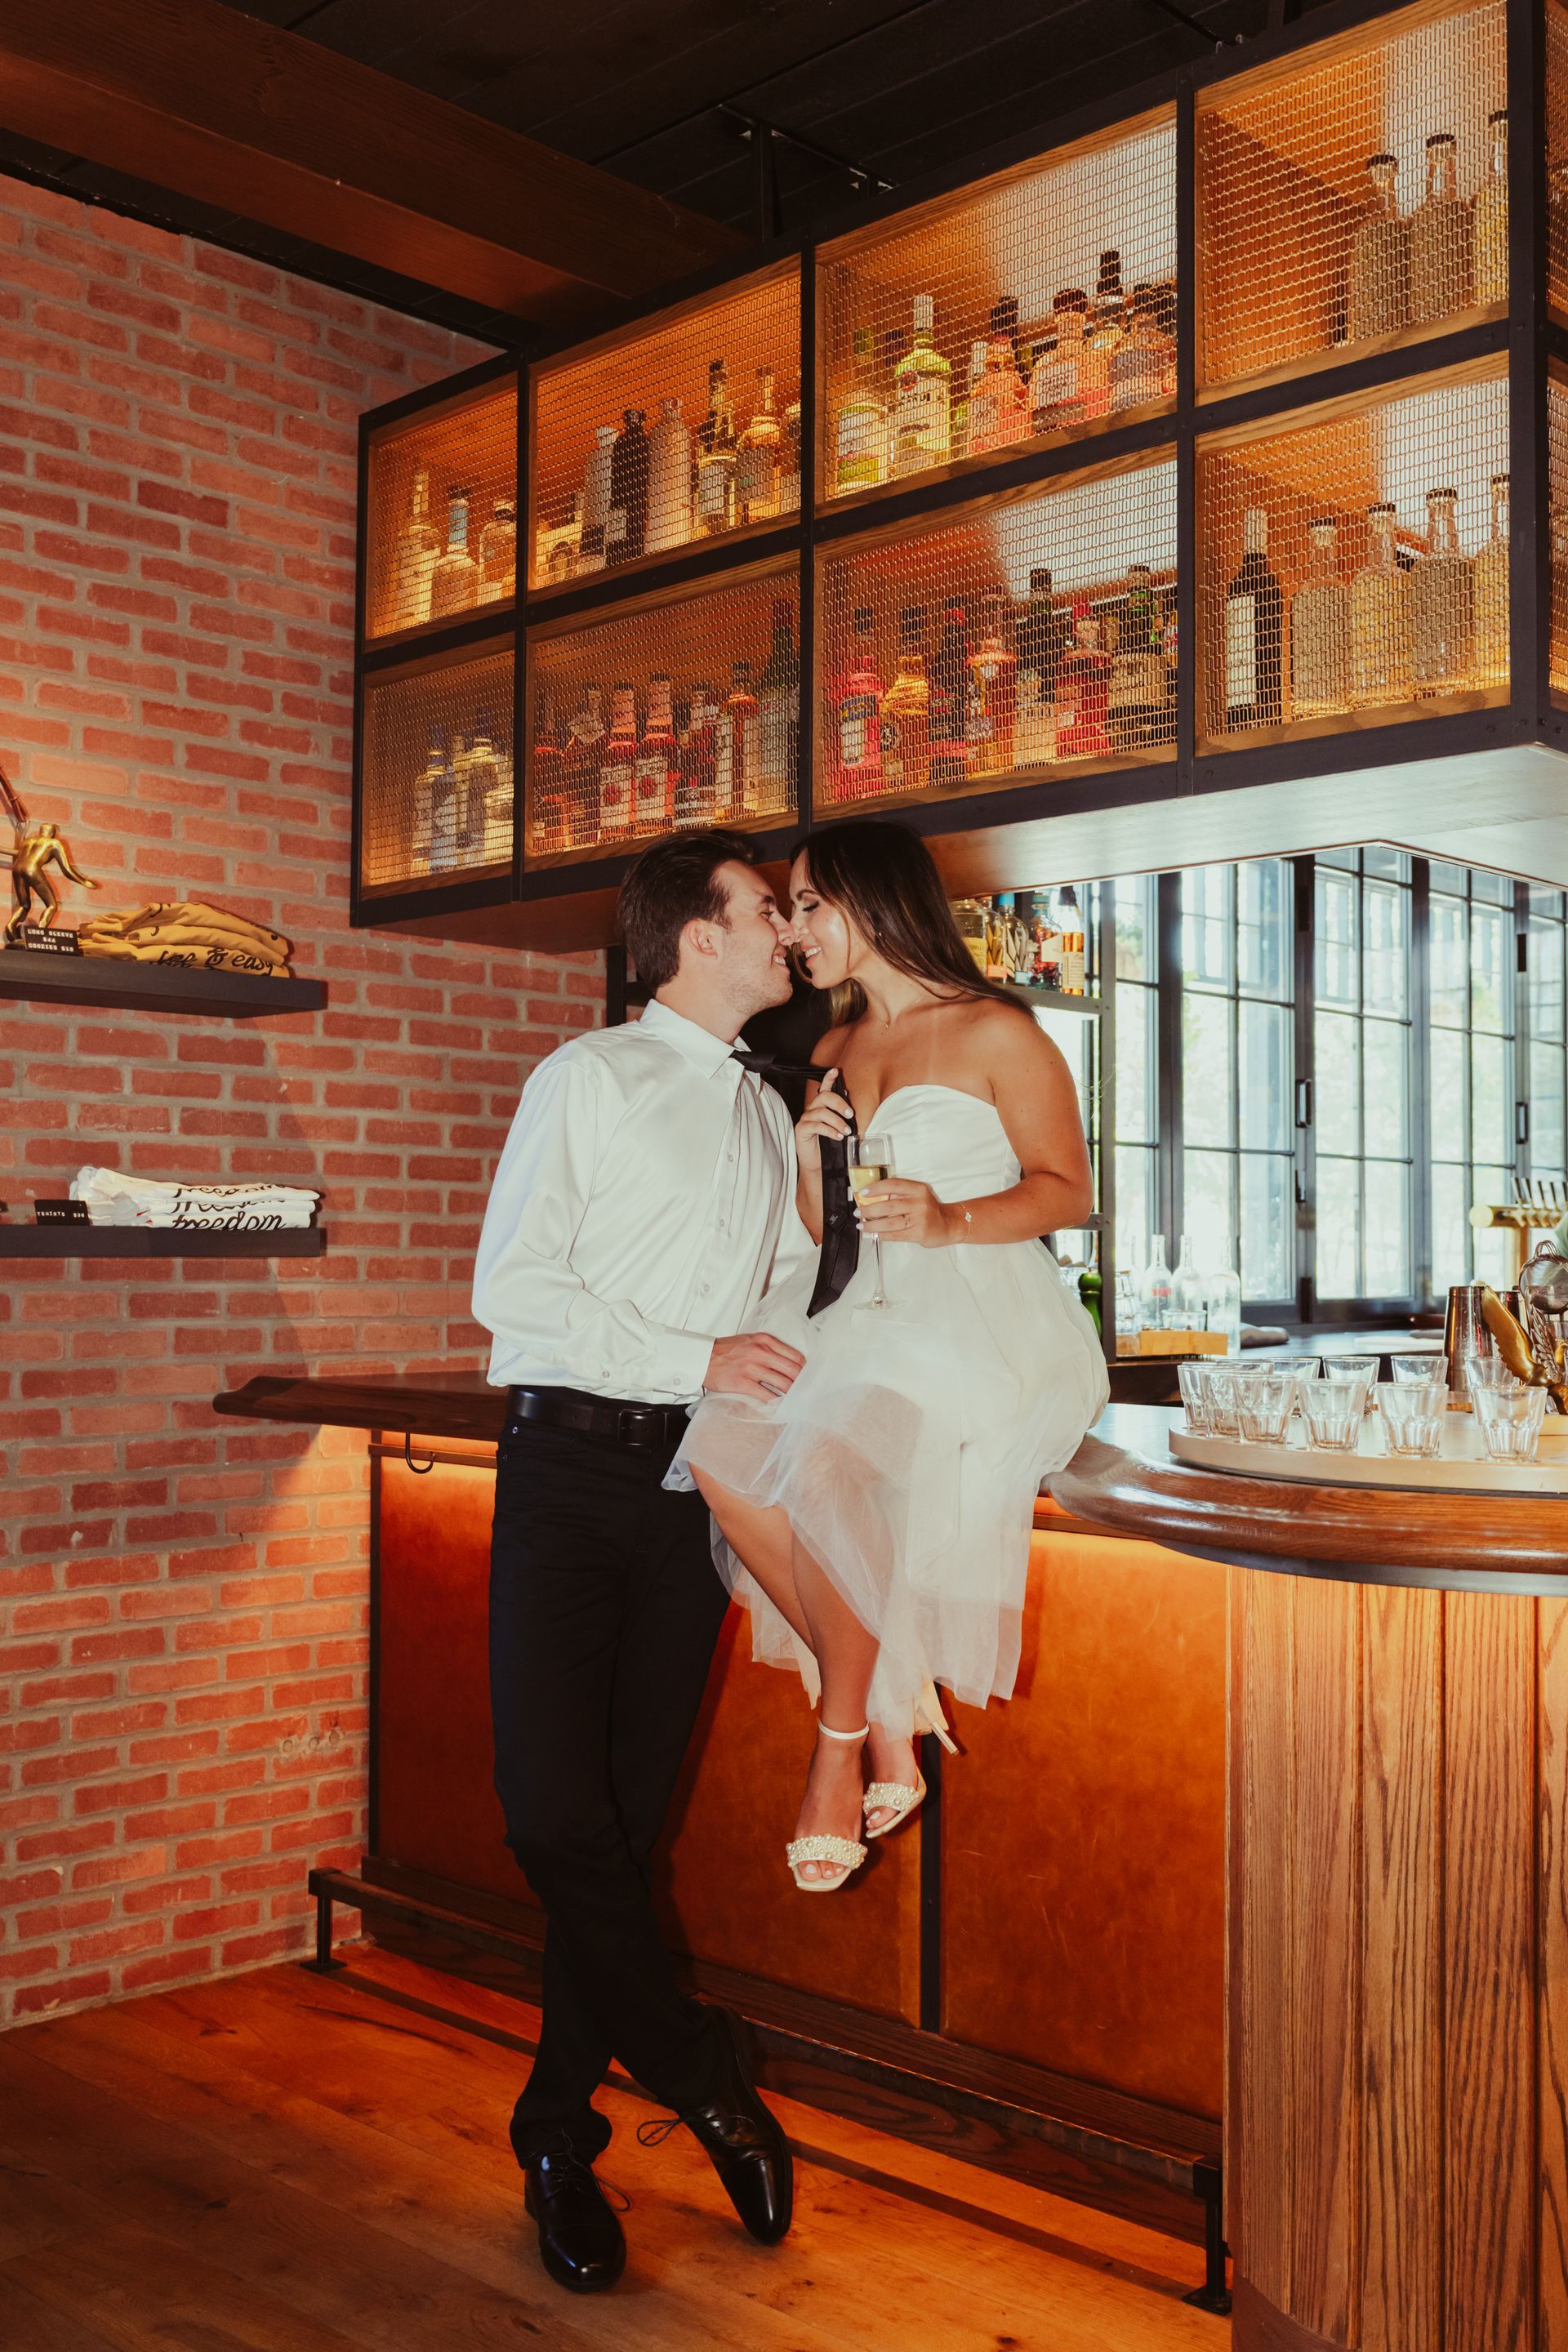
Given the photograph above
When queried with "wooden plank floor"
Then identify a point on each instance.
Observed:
(283, 2162)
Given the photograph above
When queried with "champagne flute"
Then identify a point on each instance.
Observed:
(872, 1158)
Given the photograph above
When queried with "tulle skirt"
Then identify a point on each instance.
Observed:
(907, 1456)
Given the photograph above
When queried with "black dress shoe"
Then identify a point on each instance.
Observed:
(748, 2150)
(581, 2242)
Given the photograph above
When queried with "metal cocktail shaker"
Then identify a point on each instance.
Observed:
(1465, 1334)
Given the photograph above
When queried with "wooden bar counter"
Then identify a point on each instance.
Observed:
(1397, 2093)
(1030, 1975)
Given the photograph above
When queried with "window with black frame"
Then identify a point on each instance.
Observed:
(1472, 962)
(1364, 1192)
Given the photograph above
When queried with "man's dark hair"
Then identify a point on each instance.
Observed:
(673, 884)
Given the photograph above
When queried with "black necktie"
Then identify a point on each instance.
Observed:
(840, 1252)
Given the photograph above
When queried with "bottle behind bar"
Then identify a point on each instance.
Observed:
(1056, 391)
(1442, 604)
(993, 693)
(498, 554)
(906, 710)
(1440, 238)
(860, 442)
(1320, 630)
(1490, 666)
(1380, 619)
(694, 791)
(418, 547)
(427, 787)
(455, 577)
(1136, 696)
(1378, 295)
(999, 403)
(547, 778)
(735, 789)
(715, 503)
(757, 457)
(617, 764)
(596, 499)
(1083, 687)
(1490, 219)
(668, 480)
(856, 698)
(1041, 637)
(921, 394)
(653, 803)
(950, 699)
(585, 742)
(778, 717)
(1253, 634)
(626, 528)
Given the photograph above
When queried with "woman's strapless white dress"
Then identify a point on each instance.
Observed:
(908, 1452)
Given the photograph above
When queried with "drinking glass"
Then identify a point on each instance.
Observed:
(1490, 1373)
(1360, 1370)
(1218, 1382)
(1264, 1405)
(1194, 1397)
(1509, 1420)
(1333, 1412)
(1419, 1368)
(870, 1159)
(1413, 1413)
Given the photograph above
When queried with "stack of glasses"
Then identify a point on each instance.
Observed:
(1257, 1403)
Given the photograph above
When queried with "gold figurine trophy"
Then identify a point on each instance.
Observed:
(34, 849)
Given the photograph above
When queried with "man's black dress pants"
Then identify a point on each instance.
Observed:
(604, 1609)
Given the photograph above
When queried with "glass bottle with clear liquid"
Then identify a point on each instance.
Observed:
(418, 547)
(498, 554)
(1189, 1291)
(1442, 604)
(1155, 1290)
(1380, 259)
(1441, 238)
(1320, 630)
(1491, 600)
(1380, 619)
(454, 580)
(1491, 218)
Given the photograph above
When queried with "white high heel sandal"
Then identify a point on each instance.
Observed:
(844, 1854)
(896, 1797)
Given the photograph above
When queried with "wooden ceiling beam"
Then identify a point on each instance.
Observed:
(195, 97)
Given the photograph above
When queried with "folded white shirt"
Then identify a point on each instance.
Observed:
(114, 1198)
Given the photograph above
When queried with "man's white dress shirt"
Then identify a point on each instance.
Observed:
(634, 1214)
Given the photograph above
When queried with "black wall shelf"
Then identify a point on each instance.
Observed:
(36, 975)
(156, 1241)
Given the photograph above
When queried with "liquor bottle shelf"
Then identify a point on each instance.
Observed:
(441, 508)
(38, 976)
(156, 1241)
(436, 771)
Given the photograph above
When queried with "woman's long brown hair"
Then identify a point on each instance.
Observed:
(882, 876)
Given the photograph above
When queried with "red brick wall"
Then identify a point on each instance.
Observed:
(182, 1599)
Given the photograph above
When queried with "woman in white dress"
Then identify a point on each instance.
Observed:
(876, 1518)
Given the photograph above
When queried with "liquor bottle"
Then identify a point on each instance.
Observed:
(1136, 689)
(455, 576)
(414, 560)
(668, 480)
(950, 699)
(778, 717)
(618, 763)
(1440, 240)
(428, 790)
(596, 499)
(959, 421)
(1045, 954)
(757, 457)
(1154, 1288)
(626, 526)
(1106, 332)
(1253, 634)
(999, 403)
(1442, 604)
(1490, 663)
(789, 477)
(1378, 293)
(736, 750)
(906, 711)
(1055, 389)
(449, 812)
(1073, 963)
(486, 795)
(1558, 664)
(1042, 635)
(715, 504)
(1221, 1301)
(498, 553)
(1083, 689)
(585, 744)
(855, 696)
(1557, 223)
(1490, 219)
(695, 785)
(921, 425)
(1143, 368)
(653, 782)
(1380, 619)
(556, 545)
(1320, 629)
(993, 693)
(860, 436)
(547, 778)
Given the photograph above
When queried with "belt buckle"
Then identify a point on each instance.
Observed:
(626, 1435)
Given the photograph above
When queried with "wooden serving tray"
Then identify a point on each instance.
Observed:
(1462, 1467)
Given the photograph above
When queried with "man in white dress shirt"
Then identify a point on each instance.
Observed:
(629, 1237)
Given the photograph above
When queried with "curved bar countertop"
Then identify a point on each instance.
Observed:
(1396, 2125)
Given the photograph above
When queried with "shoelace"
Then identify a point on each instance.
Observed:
(616, 2199)
(654, 2135)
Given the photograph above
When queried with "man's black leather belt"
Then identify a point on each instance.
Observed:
(649, 1426)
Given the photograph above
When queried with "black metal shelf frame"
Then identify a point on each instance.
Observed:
(1526, 335)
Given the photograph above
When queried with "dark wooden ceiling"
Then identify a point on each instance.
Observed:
(659, 91)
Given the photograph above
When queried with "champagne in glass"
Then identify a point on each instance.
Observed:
(870, 1159)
